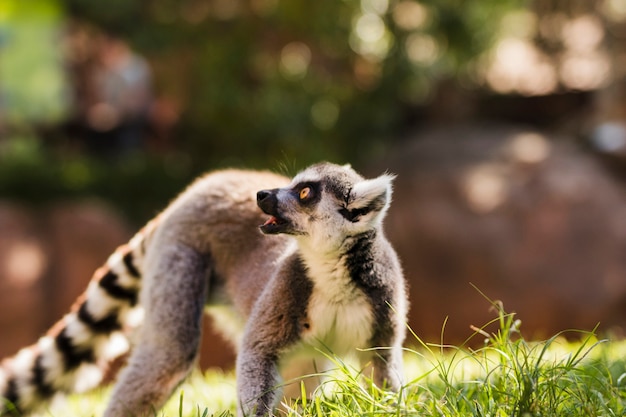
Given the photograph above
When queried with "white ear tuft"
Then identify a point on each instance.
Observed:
(374, 194)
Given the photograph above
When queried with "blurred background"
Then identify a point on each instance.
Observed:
(505, 121)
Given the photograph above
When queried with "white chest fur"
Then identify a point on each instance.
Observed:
(339, 314)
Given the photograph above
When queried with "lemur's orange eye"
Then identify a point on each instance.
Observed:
(305, 192)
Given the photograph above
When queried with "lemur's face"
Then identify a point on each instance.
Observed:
(326, 202)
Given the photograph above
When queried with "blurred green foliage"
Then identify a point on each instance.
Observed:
(259, 83)
(138, 185)
(270, 80)
(34, 87)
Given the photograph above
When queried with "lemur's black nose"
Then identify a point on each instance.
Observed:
(262, 195)
(267, 201)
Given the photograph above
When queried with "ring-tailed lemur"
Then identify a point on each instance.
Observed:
(320, 274)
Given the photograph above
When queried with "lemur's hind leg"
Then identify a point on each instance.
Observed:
(169, 339)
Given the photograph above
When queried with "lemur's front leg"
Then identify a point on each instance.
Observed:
(388, 335)
(270, 331)
(275, 325)
(388, 368)
(258, 382)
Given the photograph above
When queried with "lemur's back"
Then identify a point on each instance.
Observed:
(218, 216)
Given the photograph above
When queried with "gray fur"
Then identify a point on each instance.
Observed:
(323, 275)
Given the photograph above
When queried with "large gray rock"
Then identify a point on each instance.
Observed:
(529, 220)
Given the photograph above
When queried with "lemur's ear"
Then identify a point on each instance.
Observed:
(369, 198)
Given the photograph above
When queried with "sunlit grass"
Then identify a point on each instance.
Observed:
(506, 376)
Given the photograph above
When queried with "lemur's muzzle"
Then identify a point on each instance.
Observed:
(267, 200)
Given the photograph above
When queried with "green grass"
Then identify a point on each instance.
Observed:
(507, 376)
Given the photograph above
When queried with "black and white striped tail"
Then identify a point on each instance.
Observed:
(75, 353)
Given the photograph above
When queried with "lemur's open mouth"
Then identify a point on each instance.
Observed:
(273, 225)
(271, 220)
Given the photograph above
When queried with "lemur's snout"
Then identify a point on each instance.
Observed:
(267, 201)
(262, 195)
